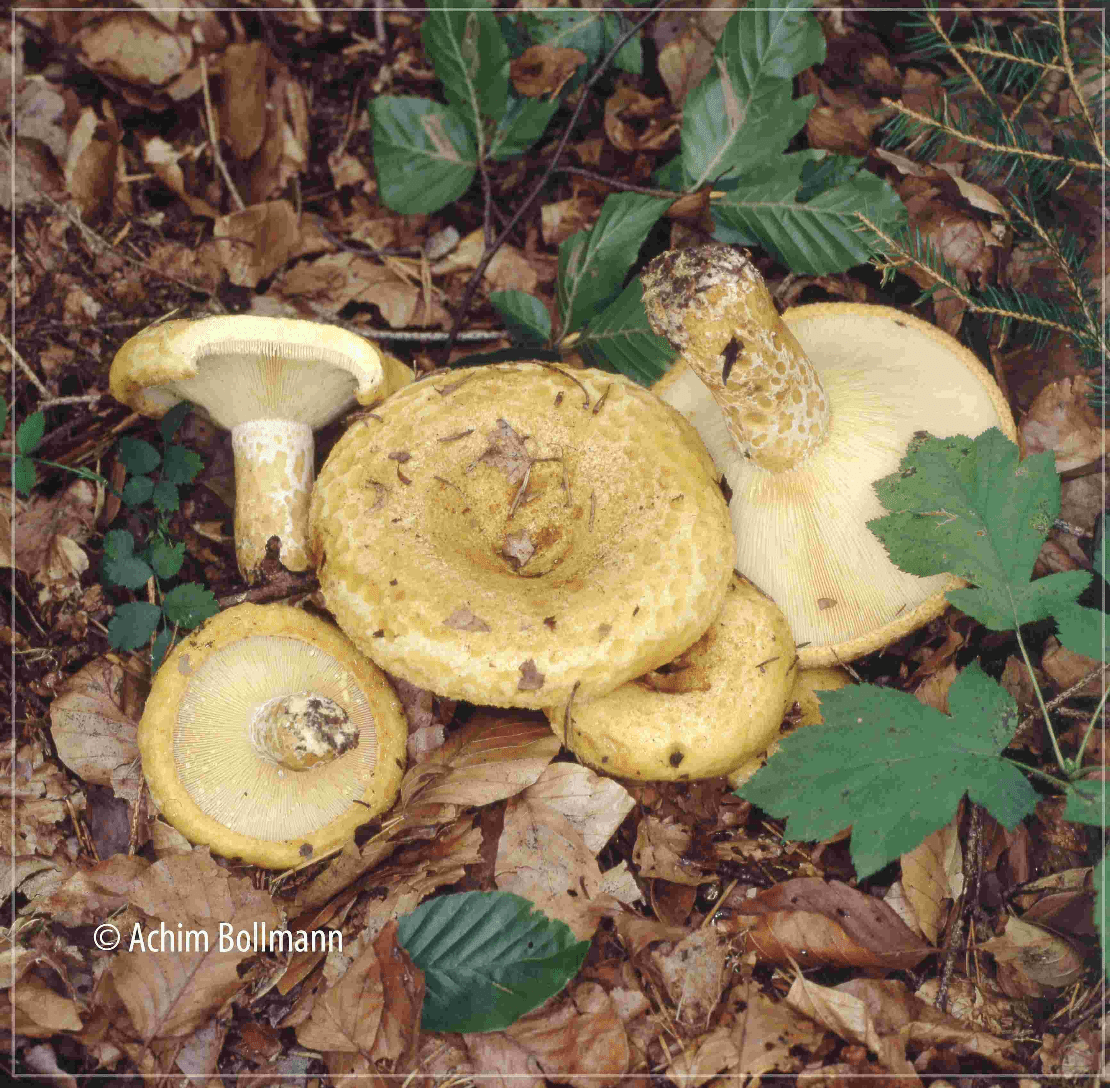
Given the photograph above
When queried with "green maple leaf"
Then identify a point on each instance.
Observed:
(893, 769)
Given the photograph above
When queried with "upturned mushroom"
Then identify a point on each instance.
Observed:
(714, 708)
(508, 534)
(271, 381)
(267, 736)
(802, 414)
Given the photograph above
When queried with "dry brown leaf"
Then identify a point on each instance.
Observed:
(170, 995)
(41, 522)
(660, 846)
(403, 998)
(254, 243)
(932, 874)
(1043, 960)
(562, 218)
(90, 164)
(509, 269)
(94, 723)
(635, 122)
(41, 803)
(580, 1042)
(284, 150)
(243, 102)
(40, 1012)
(163, 158)
(86, 896)
(541, 856)
(816, 922)
(544, 69)
(1060, 419)
(933, 690)
(1066, 668)
(135, 47)
(596, 806)
(347, 1016)
(685, 41)
(693, 971)
(712, 1054)
(200, 1053)
(500, 1062)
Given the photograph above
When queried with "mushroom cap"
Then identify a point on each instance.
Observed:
(240, 368)
(508, 534)
(802, 534)
(723, 705)
(210, 782)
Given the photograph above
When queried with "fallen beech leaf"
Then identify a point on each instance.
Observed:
(509, 269)
(596, 806)
(1041, 957)
(660, 846)
(634, 122)
(817, 922)
(254, 243)
(87, 896)
(544, 69)
(932, 874)
(40, 521)
(1061, 419)
(243, 103)
(402, 999)
(135, 47)
(90, 166)
(162, 158)
(346, 1018)
(693, 972)
(40, 1012)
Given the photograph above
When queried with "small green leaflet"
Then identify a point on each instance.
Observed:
(138, 456)
(488, 958)
(893, 769)
(593, 263)
(30, 433)
(121, 567)
(972, 508)
(465, 46)
(133, 624)
(424, 155)
(189, 605)
(520, 126)
(180, 465)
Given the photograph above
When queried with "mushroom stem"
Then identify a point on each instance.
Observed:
(274, 465)
(302, 730)
(711, 303)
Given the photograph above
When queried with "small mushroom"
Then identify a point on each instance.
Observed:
(266, 736)
(509, 533)
(271, 381)
(802, 414)
(714, 708)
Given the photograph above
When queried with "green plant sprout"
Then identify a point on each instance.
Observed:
(894, 769)
(808, 208)
(153, 481)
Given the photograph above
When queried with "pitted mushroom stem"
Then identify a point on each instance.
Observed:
(302, 730)
(711, 303)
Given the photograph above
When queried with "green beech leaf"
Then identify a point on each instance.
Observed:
(120, 565)
(893, 769)
(620, 339)
(593, 263)
(168, 424)
(24, 475)
(521, 125)
(189, 605)
(973, 508)
(819, 237)
(180, 465)
(526, 318)
(488, 958)
(159, 648)
(133, 624)
(465, 46)
(424, 155)
(138, 456)
(29, 433)
(743, 110)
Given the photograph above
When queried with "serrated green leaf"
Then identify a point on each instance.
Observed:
(166, 557)
(168, 424)
(180, 465)
(189, 605)
(24, 475)
(521, 125)
(526, 318)
(972, 508)
(742, 111)
(819, 237)
(133, 624)
(120, 566)
(138, 456)
(30, 432)
(593, 263)
(488, 958)
(620, 339)
(137, 490)
(1082, 630)
(424, 155)
(894, 769)
(471, 60)
(164, 497)
(1002, 608)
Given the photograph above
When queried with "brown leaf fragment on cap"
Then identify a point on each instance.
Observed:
(456, 436)
(826, 602)
(443, 390)
(603, 630)
(531, 679)
(518, 548)
(505, 452)
(462, 619)
(549, 622)
(400, 456)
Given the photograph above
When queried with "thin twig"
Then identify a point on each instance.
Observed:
(20, 362)
(214, 139)
(616, 183)
(57, 402)
(529, 200)
(1092, 128)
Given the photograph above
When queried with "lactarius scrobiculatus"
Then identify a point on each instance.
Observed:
(514, 534)
(271, 381)
(267, 737)
(802, 413)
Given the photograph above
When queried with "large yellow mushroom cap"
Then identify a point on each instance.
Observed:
(199, 737)
(509, 534)
(718, 705)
